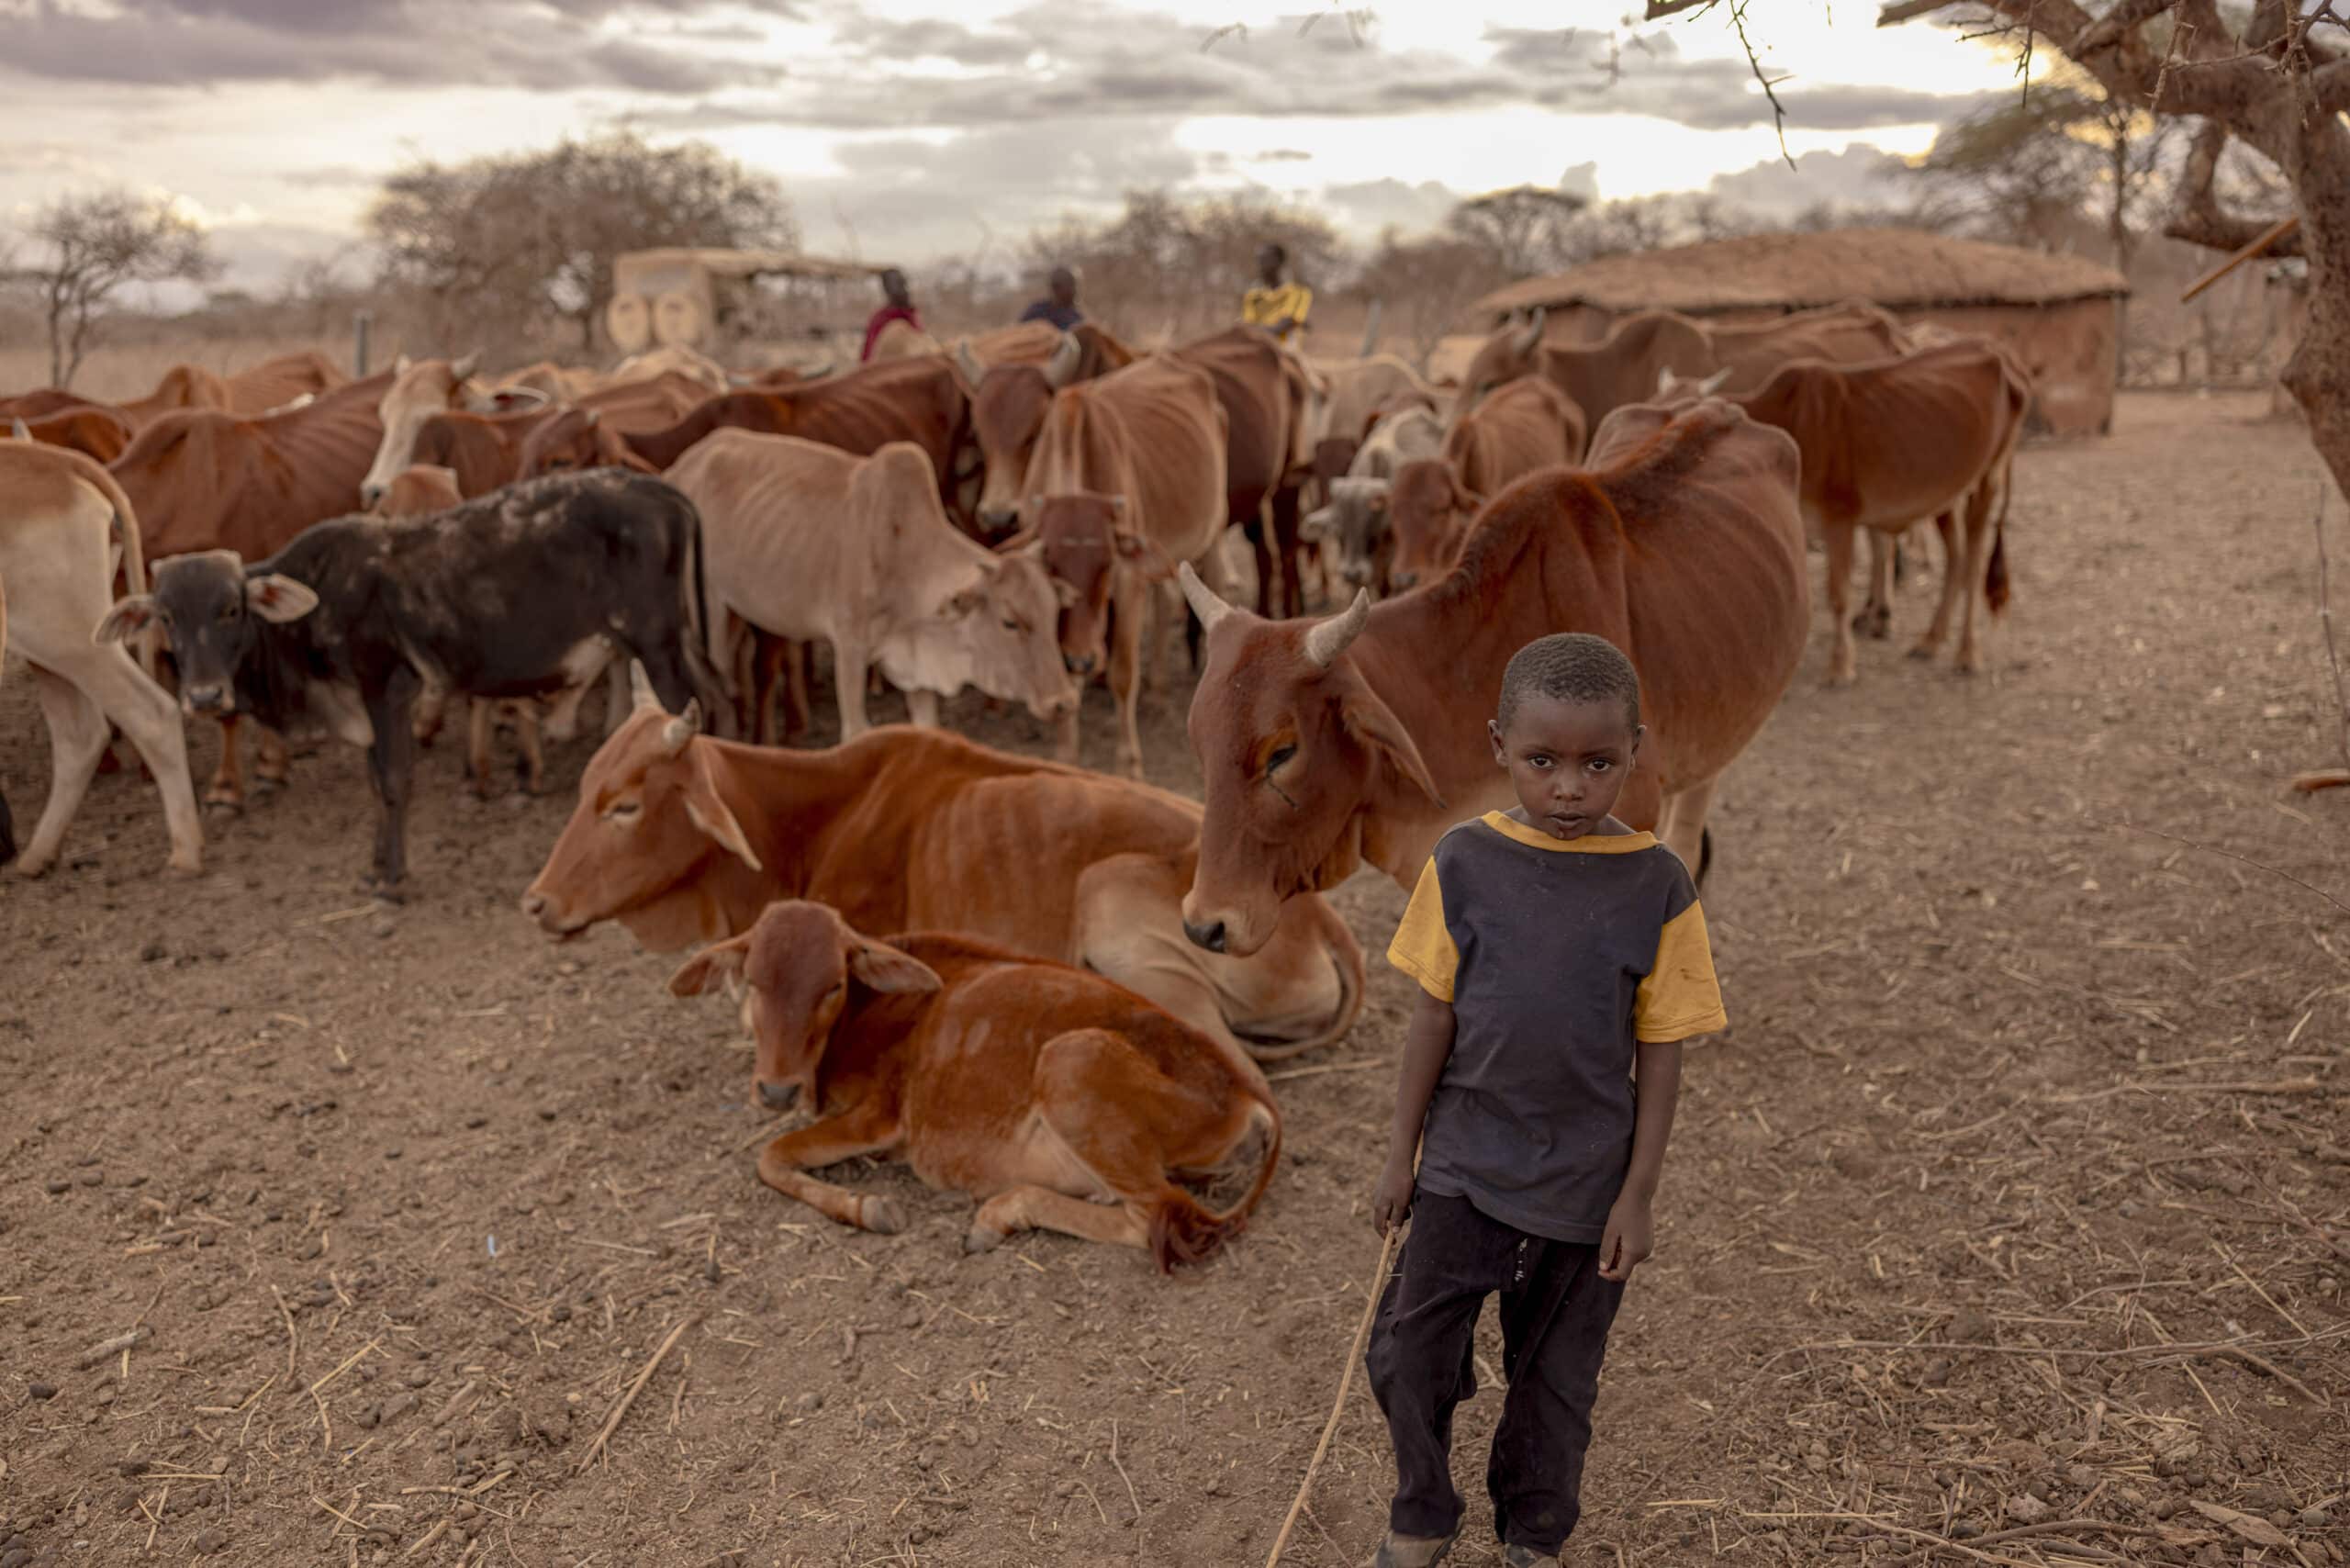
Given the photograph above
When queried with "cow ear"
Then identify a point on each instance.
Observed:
(724, 961)
(1467, 500)
(126, 620)
(1374, 725)
(276, 597)
(1066, 591)
(884, 969)
(709, 812)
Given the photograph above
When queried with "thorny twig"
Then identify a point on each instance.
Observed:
(2232, 854)
(1778, 110)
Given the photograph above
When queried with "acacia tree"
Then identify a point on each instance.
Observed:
(2274, 79)
(1429, 282)
(533, 235)
(97, 244)
(1524, 229)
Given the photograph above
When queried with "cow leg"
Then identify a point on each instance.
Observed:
(227, 790)
(922, 709)
(1954, 584)
(431, 707)
(478, 739)
(799, 677)
(1842, 662)
(111, 678)
(862, 1129)
(849, 671)
(1260, 543)
(532, 767)
(1682, 822)
(748, 658)
(1981, 522)
(562, 717)
(272, 765)
(77, 737)
(1285, 543)
(391, 769)
(1132, 604)
(619, 699)
(1876, 619)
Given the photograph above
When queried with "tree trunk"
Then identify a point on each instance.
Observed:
(2318, 373)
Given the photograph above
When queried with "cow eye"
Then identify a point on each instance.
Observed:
(1273, 763)
(1011, 623)
(624, 810)
(232, 609)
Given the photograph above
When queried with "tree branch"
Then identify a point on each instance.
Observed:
(2233, 86)
(1901, 11)
(2110, 30)
(1658, 10)
(2330, 83)
(2197, 219)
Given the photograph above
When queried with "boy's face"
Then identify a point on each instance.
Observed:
(1568, 760)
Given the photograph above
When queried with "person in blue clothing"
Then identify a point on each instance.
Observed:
(1060, 304)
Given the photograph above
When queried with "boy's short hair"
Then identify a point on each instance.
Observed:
(1571, 667)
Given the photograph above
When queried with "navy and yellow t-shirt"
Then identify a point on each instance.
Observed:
(1559, 957)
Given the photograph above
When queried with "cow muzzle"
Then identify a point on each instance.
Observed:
(778, 1097)
(213, 702)
(552, 921)
(999, 520)
(1356, 573)
(369, 495)
(1208, 937)
(1080, 664)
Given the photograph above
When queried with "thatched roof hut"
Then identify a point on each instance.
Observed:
(2062, 314)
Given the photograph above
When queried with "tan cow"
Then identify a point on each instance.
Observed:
(1361, 738)
(275, 383)
(62, 521)
(1009, 400)
(804, 541)
(1893, 442)
(1059, 1100)
(1624, 366)
(182, 386)
(903, 339)
(682, 838)
(669, 359)
(1359, 392)
(419, 389)
(1126, 481)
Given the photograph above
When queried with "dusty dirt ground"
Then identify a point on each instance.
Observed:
(2024, 1114)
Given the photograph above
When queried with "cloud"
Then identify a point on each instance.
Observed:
(546, 45)
(1854, 176)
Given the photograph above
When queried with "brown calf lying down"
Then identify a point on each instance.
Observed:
(1059, 1100)
(682, 838)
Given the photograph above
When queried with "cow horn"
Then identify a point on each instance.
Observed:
(1210, 609)
(1532, 335)
(681, 729)
(20, 430)
(463, 370)
(639, 690)
(968, 363)
(1062, 369)
(1327, 639)
(593, 416)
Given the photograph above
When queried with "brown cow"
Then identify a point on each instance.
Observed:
(43, 401)
(682, 838)
(1008, 399)
(1363, 738)
(1126, 481)
(274, 383)
(420, 390)
(1397, 534)
(63, 519)
(808, 543)
(1892, 443)
(1623, 367)
(202, 479)
(486, 450)
(182, 386)
(1044, 1092)
(98, 433)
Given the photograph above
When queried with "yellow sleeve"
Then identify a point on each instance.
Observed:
(1253, 307)
(1301, 300)
(1423, 945)
(1680, 997)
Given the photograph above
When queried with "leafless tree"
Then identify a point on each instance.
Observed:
(1524, 229)
(1425, 285)
(1182, 261)
(97, 244)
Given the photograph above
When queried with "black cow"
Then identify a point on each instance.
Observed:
(505, 596)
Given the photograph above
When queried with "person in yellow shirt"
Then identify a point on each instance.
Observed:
(1276, 304)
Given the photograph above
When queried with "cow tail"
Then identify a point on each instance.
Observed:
(134, 553)
(1184, 1230)
(1995, 576)
(1346, 957)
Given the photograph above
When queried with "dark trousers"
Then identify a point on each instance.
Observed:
(1556, 1312)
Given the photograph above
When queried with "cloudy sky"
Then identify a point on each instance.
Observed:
(909, 129)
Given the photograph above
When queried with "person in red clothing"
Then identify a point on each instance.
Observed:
(900, 308)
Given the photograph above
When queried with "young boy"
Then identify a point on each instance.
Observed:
(1557, 952)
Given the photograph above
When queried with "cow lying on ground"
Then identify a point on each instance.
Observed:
(1363, 738)
(1059, 1100)
(60, 518)
(808, 543)
(1893, 442)
(508, 596)
(682, 838)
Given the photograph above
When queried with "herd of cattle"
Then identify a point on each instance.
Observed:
(1073, 1033)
